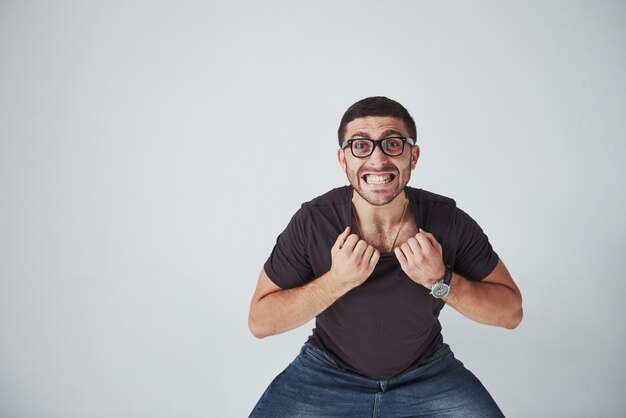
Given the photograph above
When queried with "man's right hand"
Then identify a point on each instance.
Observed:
(274, 310)
(353, 259)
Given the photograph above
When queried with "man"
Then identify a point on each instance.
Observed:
(374, 263)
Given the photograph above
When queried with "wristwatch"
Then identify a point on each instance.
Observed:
(442, 287)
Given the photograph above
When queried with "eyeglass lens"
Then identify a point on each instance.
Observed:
(390, 146)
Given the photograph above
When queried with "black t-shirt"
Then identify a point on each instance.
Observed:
(388, 324)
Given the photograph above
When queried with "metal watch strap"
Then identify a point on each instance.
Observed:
(441, 288)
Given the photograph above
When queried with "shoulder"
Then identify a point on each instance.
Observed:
(422, 197)
(338, 196)
(439, 206)
(330, 205)
(327, 215)
(333, 201)
(435, 211)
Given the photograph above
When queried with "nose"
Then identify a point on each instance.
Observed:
(378, 156)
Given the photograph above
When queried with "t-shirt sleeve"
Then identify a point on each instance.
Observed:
(475, 258)
(288, 265)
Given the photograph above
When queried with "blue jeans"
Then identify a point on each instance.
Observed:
(314, 386)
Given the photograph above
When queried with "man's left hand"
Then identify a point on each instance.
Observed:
(421, 258)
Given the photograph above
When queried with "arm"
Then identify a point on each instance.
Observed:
(274, 310)
(495, 300)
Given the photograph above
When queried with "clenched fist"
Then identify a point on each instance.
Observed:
(421, 258)
(353, 259)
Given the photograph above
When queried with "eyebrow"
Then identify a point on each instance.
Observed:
(386, 134)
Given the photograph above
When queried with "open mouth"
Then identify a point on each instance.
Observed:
(377, 179)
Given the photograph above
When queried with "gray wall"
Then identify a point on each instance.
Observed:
(151, 152)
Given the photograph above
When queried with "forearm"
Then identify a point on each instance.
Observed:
(486, 302)
(284, 310)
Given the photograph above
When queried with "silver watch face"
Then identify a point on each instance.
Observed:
(440, 290)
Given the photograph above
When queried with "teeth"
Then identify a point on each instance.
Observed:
(374, 179)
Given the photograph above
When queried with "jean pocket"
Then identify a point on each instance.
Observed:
(321, 356)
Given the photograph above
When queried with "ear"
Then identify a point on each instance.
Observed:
(415, 154)
(341, 156)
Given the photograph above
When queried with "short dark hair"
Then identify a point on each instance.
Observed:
(376, 106)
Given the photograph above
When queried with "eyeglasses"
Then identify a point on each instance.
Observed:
(391, 146)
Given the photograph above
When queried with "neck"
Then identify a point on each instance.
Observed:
(384, 216)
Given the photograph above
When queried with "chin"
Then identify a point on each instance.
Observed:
(377, 199)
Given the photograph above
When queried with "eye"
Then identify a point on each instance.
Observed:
(361, 145)
(393, 143)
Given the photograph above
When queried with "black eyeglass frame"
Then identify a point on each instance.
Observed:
(378, 142)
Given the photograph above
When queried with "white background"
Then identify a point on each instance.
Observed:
(151, 152)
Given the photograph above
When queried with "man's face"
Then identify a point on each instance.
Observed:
(378, 179)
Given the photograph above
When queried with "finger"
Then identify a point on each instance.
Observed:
(375, 258)
(424, 244)
(414, 245)
(341, 238)
(405, 251)
(401, 257)
(367, 254)
(360, 248)
(431, 238)
(350, 242)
